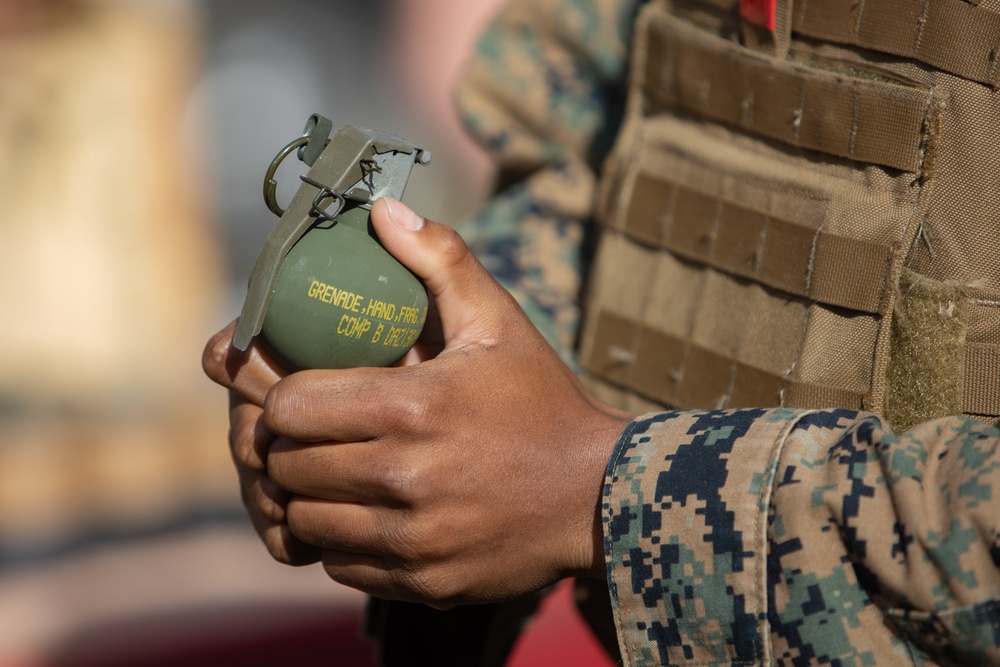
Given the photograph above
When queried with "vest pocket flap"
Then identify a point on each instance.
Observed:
(850, 115)
(952, 35)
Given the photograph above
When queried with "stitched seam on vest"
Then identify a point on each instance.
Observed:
(796, 358)
(862, 5)
(921, 24)
(644, 301)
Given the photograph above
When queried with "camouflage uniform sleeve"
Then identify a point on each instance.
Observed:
(781, 537)
(542, 93)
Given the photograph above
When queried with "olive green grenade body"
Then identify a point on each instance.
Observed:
(341, 300)
(324, 293)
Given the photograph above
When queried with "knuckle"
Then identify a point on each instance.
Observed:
(276, 541)
(426, 584)
(306, 524)
(287, 404)
(416, 540)
(274, 536)
(285, 548)
(265, 510)
(244, 441)
(215, 356)
(408, 544)
(409, 412)
(404, 483)
(270, 500)
(453, 247)
(264, 501)
(276, 403)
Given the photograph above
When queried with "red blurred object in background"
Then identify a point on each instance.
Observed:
(558, 636)
(257, 636)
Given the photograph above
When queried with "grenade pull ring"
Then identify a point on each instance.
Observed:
(271, 185)
(314, 139)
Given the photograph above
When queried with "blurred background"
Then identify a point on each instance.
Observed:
(134, 135)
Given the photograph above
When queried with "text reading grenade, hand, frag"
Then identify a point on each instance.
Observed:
(324, 293)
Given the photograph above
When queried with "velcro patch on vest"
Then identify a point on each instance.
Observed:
(928, 339)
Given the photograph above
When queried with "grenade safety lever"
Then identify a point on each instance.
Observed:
(351, 170)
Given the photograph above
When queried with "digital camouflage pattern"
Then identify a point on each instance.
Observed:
(795, 537)
(733, 537)
(544, 93)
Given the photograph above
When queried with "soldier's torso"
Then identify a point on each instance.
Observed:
(806, 215)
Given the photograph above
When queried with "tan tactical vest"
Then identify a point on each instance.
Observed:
(803, 209)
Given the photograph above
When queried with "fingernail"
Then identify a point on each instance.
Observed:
(403, 215)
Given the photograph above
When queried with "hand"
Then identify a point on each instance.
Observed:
(252, 373)
(469, 477)
(249, 375)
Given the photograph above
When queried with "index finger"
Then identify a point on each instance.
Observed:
(250, 374)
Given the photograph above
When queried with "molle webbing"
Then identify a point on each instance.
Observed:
(981, 387)
(762, 203)
(674, 371)
(633, 355)
(864, 119)
(783, 254)
(955, 36)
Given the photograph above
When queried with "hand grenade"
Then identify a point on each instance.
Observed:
(324, 293)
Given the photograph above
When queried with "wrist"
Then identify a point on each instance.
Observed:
(602, 437)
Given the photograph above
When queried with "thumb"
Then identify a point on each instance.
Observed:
(464, 291)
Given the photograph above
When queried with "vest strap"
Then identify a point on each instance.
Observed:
(981, 390)
(782, 254)
(981, 387)
(952, 35)
(677, 372)
(860, 118)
